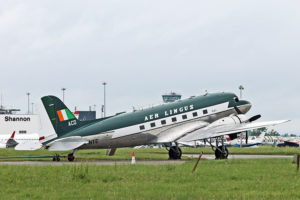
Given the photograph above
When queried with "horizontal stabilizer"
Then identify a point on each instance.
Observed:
(28, 146)
(66, 144)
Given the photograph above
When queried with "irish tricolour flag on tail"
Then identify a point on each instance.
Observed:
(64, 115)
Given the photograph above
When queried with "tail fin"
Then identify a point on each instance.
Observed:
(12, 135)
(261, 137)
(62, 119)
(11, 142)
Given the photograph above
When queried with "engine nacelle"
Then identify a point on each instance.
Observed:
(231, 120)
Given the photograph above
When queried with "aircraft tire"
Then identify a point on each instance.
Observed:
(226, 153)
(221, 155)
(71, 157)
(175, 153)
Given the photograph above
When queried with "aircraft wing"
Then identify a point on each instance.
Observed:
(66, 144)
(28, 146)
(174, 133)
(210, 132)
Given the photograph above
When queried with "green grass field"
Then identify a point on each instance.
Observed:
(221, 179)
(145, 154)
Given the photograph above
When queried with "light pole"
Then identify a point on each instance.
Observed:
(1, 105)
(32, 106)
(28, 94)
(104, 105)
(241, 88)
(63, 90)
(102, 110)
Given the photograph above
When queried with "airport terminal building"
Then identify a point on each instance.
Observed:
(20, 123)
(24, 124)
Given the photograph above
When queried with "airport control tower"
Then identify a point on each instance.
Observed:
(171, 97)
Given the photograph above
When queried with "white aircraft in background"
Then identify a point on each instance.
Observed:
(20, 141)
(8, 141)
(198, 143)
(255, 141)
(289, 142)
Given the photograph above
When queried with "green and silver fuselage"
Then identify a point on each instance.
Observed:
(148, 126)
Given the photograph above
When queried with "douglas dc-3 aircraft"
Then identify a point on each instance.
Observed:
(197, 118)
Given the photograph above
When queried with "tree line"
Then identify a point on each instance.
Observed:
(272, 132)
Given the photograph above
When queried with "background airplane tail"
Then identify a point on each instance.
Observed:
(62, 119)
(261, 137)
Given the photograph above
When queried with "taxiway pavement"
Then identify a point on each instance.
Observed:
(138, 162)
(238, 156)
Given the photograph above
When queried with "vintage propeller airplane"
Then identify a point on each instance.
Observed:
(197, 118)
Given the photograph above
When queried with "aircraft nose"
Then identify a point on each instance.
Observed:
(245, 106)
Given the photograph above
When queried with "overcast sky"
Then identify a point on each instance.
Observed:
(143, 49)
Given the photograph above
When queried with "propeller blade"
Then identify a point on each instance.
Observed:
(256, 117)
(238, 110)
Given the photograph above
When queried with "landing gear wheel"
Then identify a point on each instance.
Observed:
(71, 157)
(175, 153)
(221, 155)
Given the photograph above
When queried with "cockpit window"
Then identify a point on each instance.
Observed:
(236, 99)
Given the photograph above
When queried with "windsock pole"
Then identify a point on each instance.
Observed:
(133, 159)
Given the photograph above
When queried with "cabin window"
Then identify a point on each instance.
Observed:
(184, 117)
(142, 127)
(204, 112)
(195, 114)
(236, 99)
(163, 122)
(152, 124)
(174, 119)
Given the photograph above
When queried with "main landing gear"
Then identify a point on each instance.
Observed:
(175, 152)
(221, 152)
